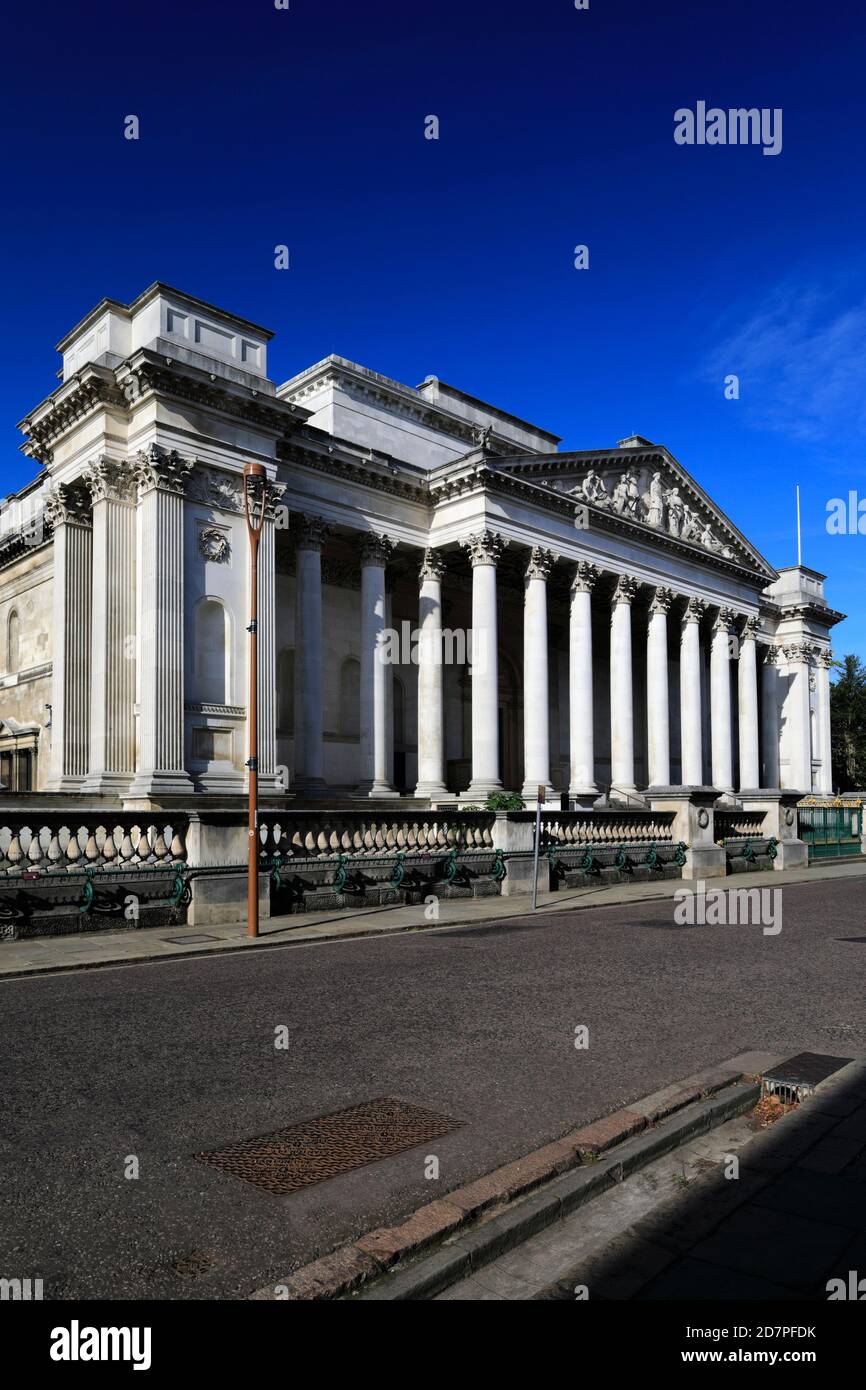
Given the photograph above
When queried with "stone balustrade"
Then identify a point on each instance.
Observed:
(42, 843)
(576, 828)
(319, 834)
(730, 824)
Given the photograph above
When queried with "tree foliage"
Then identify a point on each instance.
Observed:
(848, 725)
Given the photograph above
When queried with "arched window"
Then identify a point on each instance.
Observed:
(212, 656)
(12, 627)
(286, 691)
(350, 697)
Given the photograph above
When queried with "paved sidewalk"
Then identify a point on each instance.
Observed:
(793, 1220)
(87, 950)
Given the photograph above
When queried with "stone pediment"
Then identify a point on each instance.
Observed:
(646, 486)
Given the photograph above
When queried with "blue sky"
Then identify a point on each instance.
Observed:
(455, 257)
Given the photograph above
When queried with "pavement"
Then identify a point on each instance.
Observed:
(92, 949)
(476, 1022)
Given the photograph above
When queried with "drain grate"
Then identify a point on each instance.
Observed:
(797, 1078)
(191, 936)
(307, 1153)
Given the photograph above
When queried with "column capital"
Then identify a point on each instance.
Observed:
(484, 547)
(798, 653)
(164, 469)
(432, 565)
(723, 623)
(695, 610)
(376, 549)
(662, 599)
(110, 480)
(625, 590)
(273, 499)
(64, 505)
(825, 659)
(540, 563)
(751, 628)
(772, 655)
(311, 532)
(585, 577)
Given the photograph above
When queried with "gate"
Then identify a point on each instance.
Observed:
(831, 832)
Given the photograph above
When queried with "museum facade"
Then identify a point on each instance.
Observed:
(450, 605)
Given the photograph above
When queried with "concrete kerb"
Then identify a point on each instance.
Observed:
(445, 1240)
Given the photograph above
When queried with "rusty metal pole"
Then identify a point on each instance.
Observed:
(255, 480)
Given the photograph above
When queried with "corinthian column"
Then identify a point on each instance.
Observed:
(484, 550)
(720, 703)
(657, 697)
(690, 695)
(375, 552)
(309, 745)
(747, 699)
(68, 511)
(621, 694)
(113, 628)
(770, 771)
(581, 785)
(161, 479)
(799, 720)
(536, 726)
(431, 710)
(824, 661)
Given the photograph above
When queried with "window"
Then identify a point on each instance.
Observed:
(212, 662)
(12, 628)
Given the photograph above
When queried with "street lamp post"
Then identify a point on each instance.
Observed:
(255, 490)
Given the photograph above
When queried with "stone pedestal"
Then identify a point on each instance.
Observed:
(780, 821)
(693, 824)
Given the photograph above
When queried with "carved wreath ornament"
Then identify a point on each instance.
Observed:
(214, 545)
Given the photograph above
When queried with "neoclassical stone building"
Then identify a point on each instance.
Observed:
(606, 627)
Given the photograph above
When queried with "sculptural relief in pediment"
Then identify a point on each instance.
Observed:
(646, 495)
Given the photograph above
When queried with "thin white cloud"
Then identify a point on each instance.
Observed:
(801, 360)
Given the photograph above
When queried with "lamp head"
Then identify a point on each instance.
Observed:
(255, 495)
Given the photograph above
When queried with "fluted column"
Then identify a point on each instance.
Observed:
(747, 700)
(536, 696)
(267, 645)
(691, 735)
(69, 513)
(720, 704)
(111, 761)
(770, 769)
(375, 552)
(657, 693)
(798, 716)
(309, 741)
(161, 479)
(431, 709)
(582, 786)
(484, 549)
(621, 692)
(824, 661)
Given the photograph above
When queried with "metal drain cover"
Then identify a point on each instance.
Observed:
(307, 1153)
(798, 1076)
(193, 937)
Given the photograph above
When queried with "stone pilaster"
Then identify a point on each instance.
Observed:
(797, 713)
(111, 762)
(485, 550)
(824, 661)
(536, 722)
(582, 785)
(69, 513)
(161, 478)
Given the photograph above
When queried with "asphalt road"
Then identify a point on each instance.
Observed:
(163, 1060)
